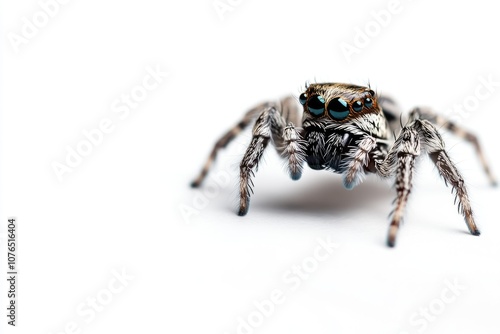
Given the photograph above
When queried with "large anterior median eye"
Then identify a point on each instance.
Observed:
(338, 108)
(316, 105)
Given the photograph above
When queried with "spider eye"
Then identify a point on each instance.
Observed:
(357, 106)
(303, 98)
(316, 105)
(338, 108)
(368, 102)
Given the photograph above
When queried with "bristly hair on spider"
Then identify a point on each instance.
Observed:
(350, 130)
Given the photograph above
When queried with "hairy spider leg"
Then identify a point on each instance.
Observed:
(417, 136)
(227, 138)
(428, 114)
(290, 112)
(271, 125)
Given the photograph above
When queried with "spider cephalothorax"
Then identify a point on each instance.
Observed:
(347, 129)
(336, 116)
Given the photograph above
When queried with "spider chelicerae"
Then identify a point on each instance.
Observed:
(348, 129)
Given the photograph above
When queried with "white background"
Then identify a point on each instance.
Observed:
(120, 209)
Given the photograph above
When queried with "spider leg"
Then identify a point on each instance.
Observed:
(270, 126)
(227, 138)
(290, 111)
(434, 145)
(421, 135)
(359, 158)
(428, 114)
(287, 137)
(400, 161)
(261, 135)
(293, 150)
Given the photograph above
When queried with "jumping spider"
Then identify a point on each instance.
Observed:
(348, 129)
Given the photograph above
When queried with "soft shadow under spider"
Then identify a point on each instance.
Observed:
(326, 195)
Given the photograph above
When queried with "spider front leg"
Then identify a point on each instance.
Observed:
(270, 126)
(289, 111)
(400, 161)
(421, 135)
(359, 158)
(227, 138)
(293, 150)
(261, 135)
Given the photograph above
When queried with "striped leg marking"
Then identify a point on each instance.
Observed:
(226, 139)
(440, 121)
(261, 136)
(421, 135)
